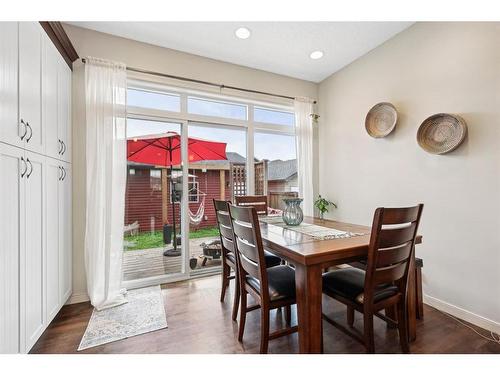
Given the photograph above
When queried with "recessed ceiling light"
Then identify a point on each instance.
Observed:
(242, 33)
(315, 55)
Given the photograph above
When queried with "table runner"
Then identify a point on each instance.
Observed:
(313, 230)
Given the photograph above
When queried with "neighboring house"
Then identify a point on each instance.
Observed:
(282, 175)
(218, 179)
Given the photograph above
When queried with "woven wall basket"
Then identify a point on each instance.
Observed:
(441, 133)
(381, 120)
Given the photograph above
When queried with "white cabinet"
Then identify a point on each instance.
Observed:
(65, 234)
(56, 108)
(64, 110)
(10, 131)
(50, 71)
(11, 216)
(33, 258)
(30, 85)
(35, 184)
(52, 196)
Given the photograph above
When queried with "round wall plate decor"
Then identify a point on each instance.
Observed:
(381, 120)
(441, 133)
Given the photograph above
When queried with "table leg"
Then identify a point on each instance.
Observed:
(411, 301)
(308, 285)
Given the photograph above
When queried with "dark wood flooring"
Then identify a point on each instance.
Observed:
(199, 323)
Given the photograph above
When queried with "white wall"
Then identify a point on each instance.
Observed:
(426, 69)
(149, 57)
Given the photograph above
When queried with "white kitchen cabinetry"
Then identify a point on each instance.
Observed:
(35, 184)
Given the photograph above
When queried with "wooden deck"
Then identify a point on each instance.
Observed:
(139, 264)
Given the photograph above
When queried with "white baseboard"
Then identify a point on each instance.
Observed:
(77, 298)
(478, 320)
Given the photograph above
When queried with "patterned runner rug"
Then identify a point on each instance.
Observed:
(144, 312)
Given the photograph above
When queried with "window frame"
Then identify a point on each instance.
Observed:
(183, 115)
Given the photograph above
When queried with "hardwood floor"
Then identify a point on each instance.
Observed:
(199, 323)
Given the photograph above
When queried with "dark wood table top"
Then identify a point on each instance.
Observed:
(307, 250)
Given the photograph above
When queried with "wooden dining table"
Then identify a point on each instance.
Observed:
(311, 256)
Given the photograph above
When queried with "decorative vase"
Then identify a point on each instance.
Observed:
(293, 215)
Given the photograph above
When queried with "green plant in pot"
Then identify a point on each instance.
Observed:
(322, 205)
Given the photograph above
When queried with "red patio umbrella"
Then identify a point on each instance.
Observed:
(165, 150)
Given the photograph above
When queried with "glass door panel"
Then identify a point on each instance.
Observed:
(153, 249)
(212, 176)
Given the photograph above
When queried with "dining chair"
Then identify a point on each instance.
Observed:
(259, 202)
(271, 288)
(384, 283)
(229, 257)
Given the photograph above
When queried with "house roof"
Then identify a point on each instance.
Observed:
(281, 169)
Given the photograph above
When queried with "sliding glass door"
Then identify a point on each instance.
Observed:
(154, 250)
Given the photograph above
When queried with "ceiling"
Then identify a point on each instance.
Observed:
(278, 47)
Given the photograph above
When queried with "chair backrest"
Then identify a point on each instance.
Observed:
(259, 202)
(391, 246)
(225, 227)
(248, 245)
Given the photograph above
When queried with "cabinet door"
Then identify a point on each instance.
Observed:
(65, 234)
(11, 191)
(50, 70)
(10, 130)
(52, 222)
(33, 259)
(64, 108)
(30, 77)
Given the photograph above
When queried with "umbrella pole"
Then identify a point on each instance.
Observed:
(173, 195)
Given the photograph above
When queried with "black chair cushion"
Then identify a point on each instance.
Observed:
(281, 280)
(349, 283)
(271, 259)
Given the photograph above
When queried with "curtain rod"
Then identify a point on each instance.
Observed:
(220, 86)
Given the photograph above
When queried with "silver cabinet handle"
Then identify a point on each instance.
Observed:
(25, 129)
(60, 146)
(31, 168)
(60, 173)
(31, 132)
(25, 167)
(64, 147)
(64, 175)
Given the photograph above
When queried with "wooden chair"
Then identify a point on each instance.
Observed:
(259, 202)
(271, 288)
(229, 257)
(384, 283)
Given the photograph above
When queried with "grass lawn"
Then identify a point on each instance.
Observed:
(149, 240)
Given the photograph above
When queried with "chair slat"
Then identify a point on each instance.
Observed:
(228, 244)
(400, 215)
(389, 274)
(226, 231)
(248, 250)
(388, 256)
(250, 267)
(223, 218)
(259, 202)
(397, 236)
(244, 232)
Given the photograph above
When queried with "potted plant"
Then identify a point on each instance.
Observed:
(322, 205)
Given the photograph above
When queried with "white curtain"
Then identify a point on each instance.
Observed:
(106, 172)
(304, 139)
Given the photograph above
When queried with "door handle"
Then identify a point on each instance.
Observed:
(60, 173)
(31, 132)
(64, 173)
(60, 146)
(31, 168)
(25, 167)
(25, 129)
(64, 147)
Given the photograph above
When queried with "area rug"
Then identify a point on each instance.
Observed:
(143, 313)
